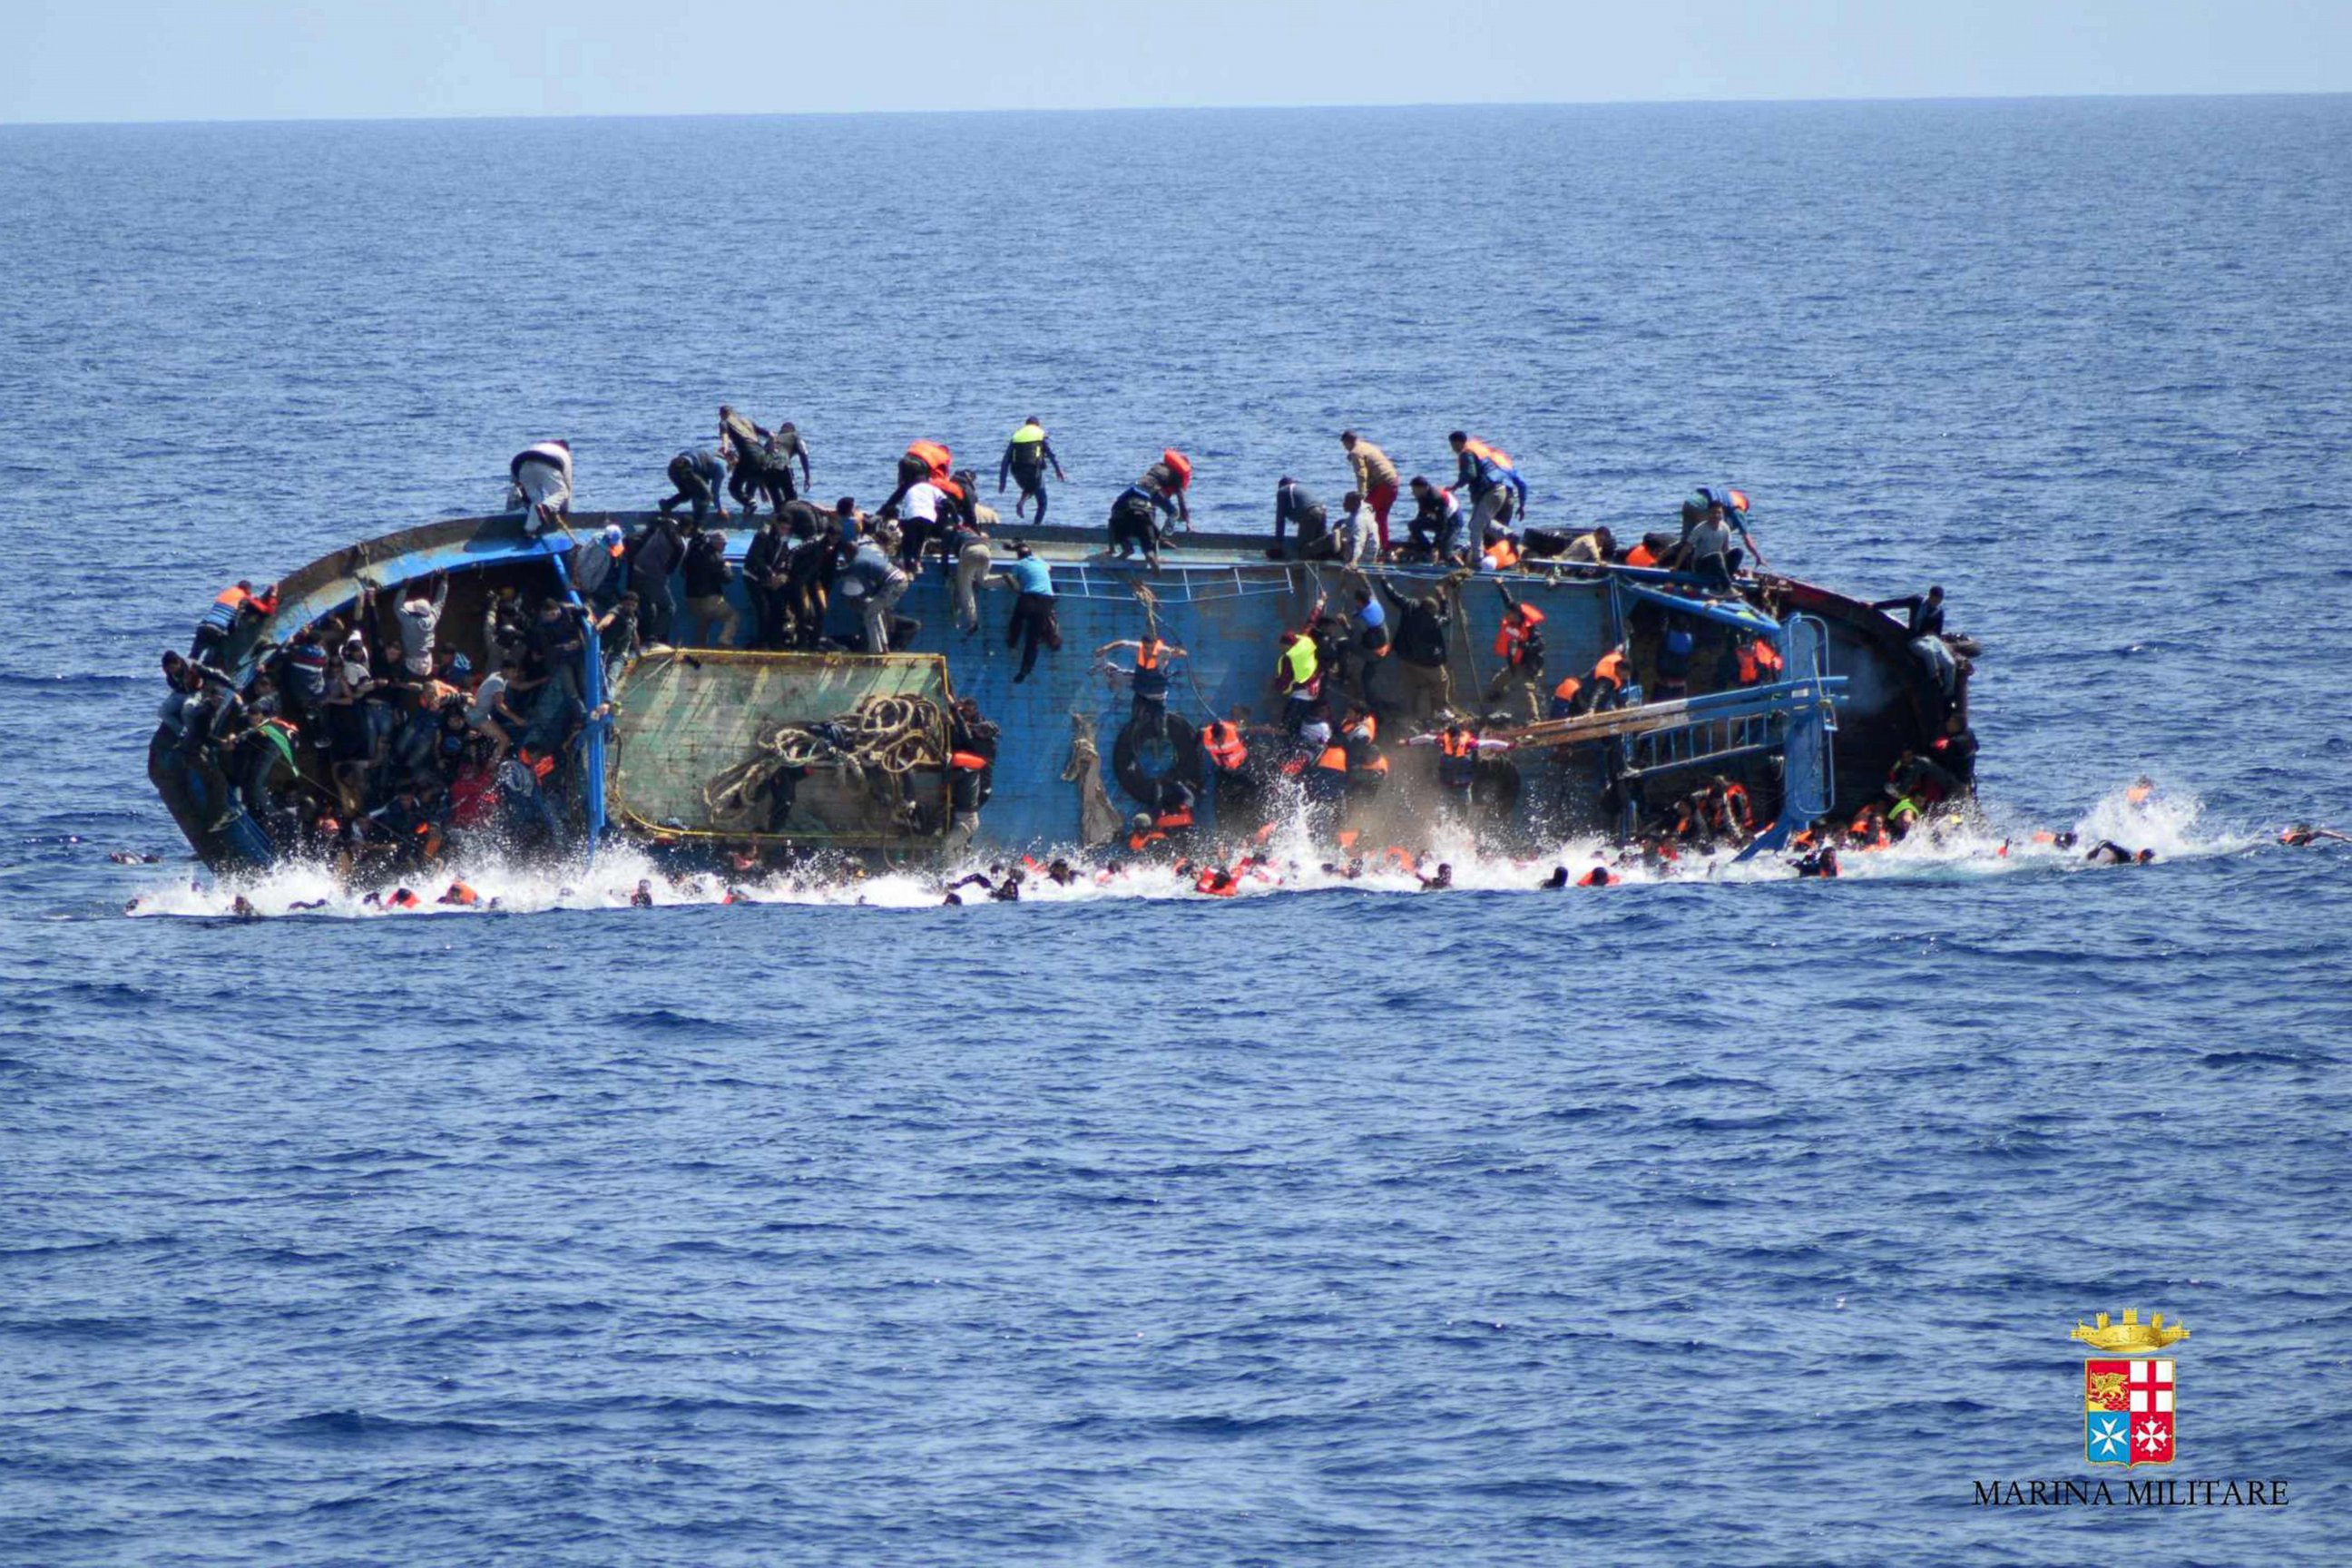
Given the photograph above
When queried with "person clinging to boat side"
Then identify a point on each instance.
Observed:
(233, 608)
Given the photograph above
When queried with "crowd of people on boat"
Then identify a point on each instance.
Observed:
(380, 752)
(365, 736)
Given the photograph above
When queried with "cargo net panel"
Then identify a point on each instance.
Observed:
(777, 748)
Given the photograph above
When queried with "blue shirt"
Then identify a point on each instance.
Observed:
(1031, 575)
(1373, 615)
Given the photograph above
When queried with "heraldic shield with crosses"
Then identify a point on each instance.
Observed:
(2127, 1412)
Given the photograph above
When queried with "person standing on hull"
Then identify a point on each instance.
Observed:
(696, 478)
(1496, 491)
(1376, 479)
(786, 446)
(1033, 620)
(1026, 457)
(542, 484)
(744, 447)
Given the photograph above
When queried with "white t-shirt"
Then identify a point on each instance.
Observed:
(923, 502)
(486, 697)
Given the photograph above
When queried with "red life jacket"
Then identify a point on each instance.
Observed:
(935, 458)
(1226, 749)
(1511, 636)
(1758, 662)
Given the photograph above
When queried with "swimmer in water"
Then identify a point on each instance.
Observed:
(2142, 790)
(135, 858)
(2066, 840)
(2107, 852)
(643, 898)
(1443, 880)
(2295, 835)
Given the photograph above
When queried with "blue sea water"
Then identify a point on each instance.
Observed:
(1707, 1221)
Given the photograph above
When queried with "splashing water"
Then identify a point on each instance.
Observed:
(1970, 843)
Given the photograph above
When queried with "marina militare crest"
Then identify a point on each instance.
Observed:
(2130, 1402)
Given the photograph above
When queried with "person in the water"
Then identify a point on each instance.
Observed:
(2107, 852)
(2295, 836)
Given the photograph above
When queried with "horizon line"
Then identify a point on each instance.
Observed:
(6, 124)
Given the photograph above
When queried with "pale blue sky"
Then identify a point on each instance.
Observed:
(240, 59)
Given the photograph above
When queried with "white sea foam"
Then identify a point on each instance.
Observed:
(1974, 843)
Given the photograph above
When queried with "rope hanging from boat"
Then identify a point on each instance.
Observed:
(875, 745)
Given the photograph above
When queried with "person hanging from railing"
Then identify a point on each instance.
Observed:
(1518, 642)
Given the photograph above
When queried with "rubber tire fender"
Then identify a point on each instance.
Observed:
(1188, 769)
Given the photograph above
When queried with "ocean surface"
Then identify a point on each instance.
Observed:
(1712, 1221)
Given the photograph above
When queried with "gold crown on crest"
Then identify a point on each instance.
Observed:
(2131, 1334)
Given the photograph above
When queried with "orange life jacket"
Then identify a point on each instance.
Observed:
(1139, 842)
(1612, 669)
(1167, 819)
(1226, 748)
(1334, 758)
(1640, 556)
(402, 899)
(1495, 455)
(1150, 653)
(1376, 763)
(970, 761)
(1567, 689)
(232, 596)
(934, 457)
(1597, 877)
(1511, 636)
(1735, 804)
(947, 487)
(1505, 553)
(1758, 662)
(1217, 884)
(1396, 857)
(1179, 465)
(1457, 743)
(461, 895)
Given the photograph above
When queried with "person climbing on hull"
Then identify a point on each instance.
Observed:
(541, 475)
